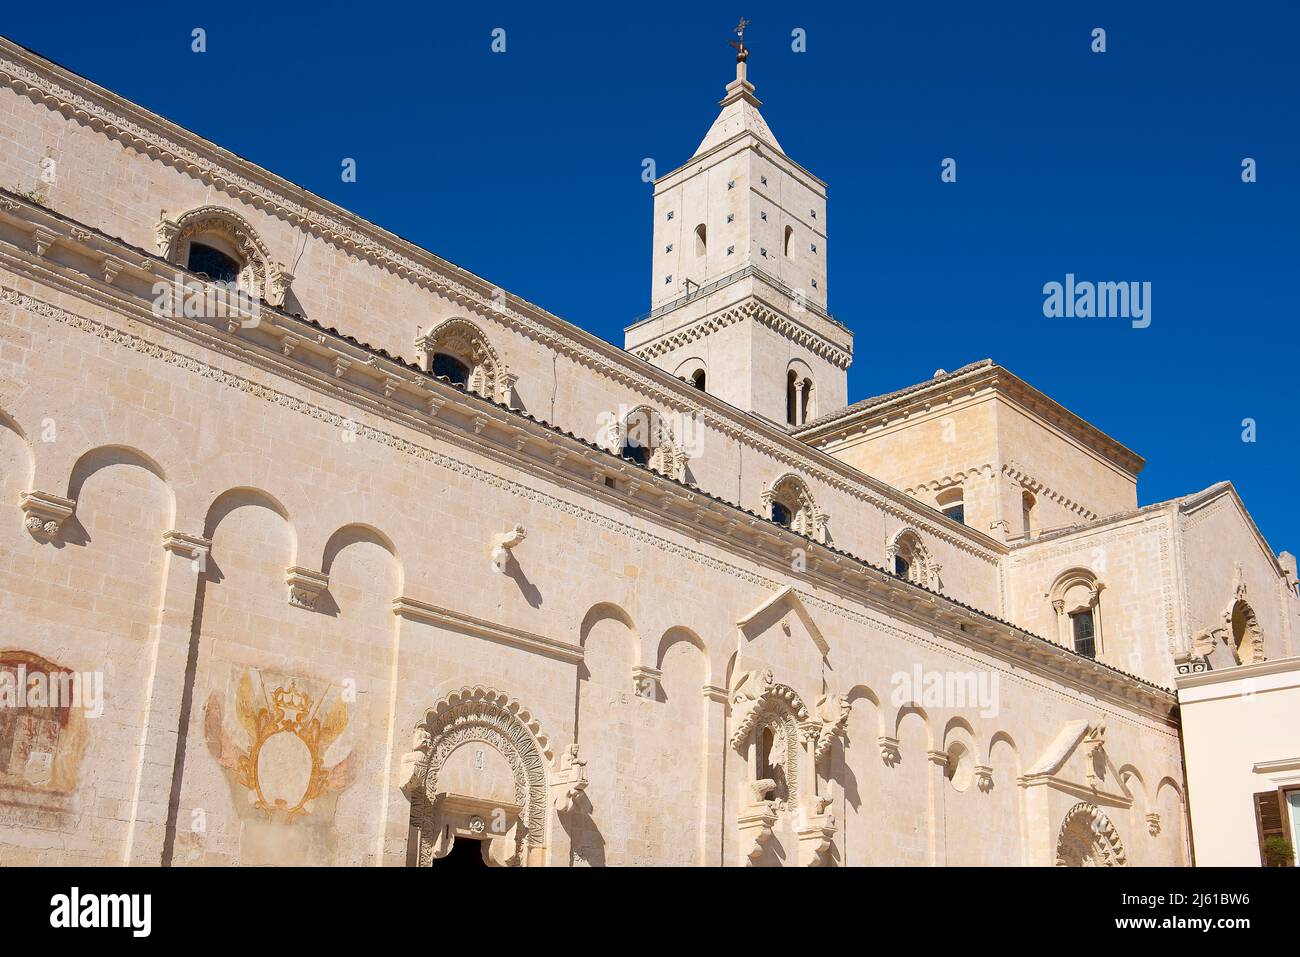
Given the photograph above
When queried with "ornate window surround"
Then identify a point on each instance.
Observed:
(805, 517)
(666, 455)
(459, 337)
(1065, 581)
(259, 274)
(924, 570)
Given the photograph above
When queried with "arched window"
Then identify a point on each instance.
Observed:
(701, 240)
(789, 503)
(1076, 599)
(789, 234)
(638, 436)
(698, 379)
(1029, 513)
(223, 247)
(448, 366)
(952, 503)
(799, 407)
(212, 264)
(458, 350)
(781, 514)
(1084, 633)
(906, 556)
(646, 439)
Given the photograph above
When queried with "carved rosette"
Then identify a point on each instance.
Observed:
(44, 513)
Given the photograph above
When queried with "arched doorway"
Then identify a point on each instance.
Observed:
(477, 778)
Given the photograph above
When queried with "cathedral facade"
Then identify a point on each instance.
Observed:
(318, 549)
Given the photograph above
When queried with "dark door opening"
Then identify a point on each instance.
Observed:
(465, 854)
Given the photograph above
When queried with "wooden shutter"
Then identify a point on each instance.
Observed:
(1268, 819)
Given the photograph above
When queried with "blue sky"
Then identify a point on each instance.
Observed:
(1117, 166)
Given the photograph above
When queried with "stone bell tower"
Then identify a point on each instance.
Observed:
(738, 282)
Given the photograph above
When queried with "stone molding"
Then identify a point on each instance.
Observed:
(415, 610)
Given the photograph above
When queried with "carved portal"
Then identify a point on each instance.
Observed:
(480, 730)
(1089, 839)
(784, 743)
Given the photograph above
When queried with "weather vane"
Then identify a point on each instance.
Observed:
(742, 51)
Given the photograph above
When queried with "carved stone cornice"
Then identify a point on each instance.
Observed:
(754, 311)
(45, 513)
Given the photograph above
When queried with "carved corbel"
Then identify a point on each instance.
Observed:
(1153, 824)
(112, 267)
(645, 681)
(755, 827)
(984, 777)
(889, 752)
(570, 780)
(44, 239)
(193, 547)
(305, 586)
(816, 837)
(833, 709)
(45, 513)
(503, 544)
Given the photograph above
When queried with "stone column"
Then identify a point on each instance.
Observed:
(164, 698)
(938, 832)
(712, 813)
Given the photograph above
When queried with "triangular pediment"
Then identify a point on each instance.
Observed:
(778, 608)
(1077, 761)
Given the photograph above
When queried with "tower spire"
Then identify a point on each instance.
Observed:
(739, 105)
(741, 87)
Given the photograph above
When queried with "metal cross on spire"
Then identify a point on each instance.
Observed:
(742, 51)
